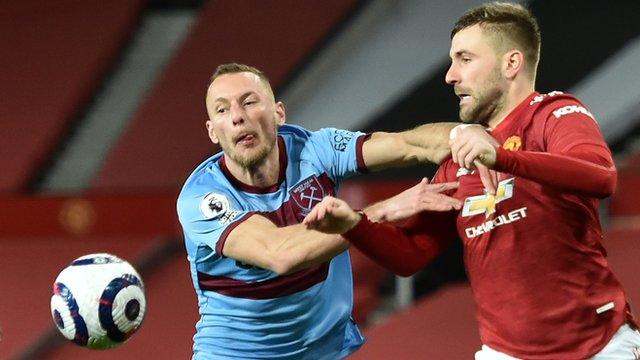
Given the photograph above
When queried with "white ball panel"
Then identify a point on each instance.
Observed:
(119, 306)
(86, 281)
(69, 329)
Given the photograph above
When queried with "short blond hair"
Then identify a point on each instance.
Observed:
(234, 68)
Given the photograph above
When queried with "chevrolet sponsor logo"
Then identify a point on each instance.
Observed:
(486, 204)
(512, 216)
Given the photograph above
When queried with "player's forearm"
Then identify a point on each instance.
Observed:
(429, 141)
(575, 171)
(426, 143)
(301, 248)
(403, 250)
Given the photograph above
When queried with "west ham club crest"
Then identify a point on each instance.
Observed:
(307, 194)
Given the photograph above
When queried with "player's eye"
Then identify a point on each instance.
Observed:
(221, 110)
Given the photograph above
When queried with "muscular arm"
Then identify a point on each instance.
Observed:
(425, 143)
(258, 241)
(401, 249)
(404, 249)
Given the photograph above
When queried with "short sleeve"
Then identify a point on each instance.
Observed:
(339, 151)
(208, 219)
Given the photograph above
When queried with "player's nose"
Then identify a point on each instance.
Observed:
(452, 77)
(237, 114)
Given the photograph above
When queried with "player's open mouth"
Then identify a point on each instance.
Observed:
(246, 139)
(464, 98)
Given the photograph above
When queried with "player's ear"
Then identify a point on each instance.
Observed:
(211, 133)
(513, 63)
(281, 114)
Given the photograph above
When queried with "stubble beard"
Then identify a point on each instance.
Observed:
(489, 101)
(250, 161)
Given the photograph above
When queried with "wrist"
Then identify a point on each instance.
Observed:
(355, 219)
(359, 228)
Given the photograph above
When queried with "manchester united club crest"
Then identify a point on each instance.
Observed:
(307, 194)
(513, 143)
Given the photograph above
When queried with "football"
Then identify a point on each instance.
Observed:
(98, 301)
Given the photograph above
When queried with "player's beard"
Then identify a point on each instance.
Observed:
(252, 158)
(488, 101)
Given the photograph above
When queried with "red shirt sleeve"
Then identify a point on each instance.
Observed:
(577, 158)
(405, 249)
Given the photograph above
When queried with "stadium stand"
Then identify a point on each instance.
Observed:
(56, 55)
(628, 184)
(441, 326)
(623, 250)
(174, 112)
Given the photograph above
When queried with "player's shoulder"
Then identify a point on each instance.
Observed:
(324, 134)
(557, 104)
(294, 132)
(296, 138)
(311, 145)
(206, 179)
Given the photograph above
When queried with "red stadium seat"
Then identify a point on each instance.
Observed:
(441, 326)
(174, 112)
(623, 252)
(57, 58)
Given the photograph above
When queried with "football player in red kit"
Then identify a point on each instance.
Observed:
(533, 251)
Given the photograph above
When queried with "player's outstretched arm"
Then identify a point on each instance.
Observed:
(401, 249)
(425, 143)
(259, 242)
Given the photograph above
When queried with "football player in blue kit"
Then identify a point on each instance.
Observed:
(267, 287)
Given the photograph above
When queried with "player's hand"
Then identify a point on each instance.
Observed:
(416, 199)
(472, 147)
(331, 216)
(471, 143)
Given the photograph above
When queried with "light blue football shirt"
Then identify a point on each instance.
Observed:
(253, 313)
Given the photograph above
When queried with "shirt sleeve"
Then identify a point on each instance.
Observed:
(405, 249)
(577, 158)
(339, 151)
(209, 218)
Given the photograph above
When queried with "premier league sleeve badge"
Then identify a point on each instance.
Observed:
(214, 206)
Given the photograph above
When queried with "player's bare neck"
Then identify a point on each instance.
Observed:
(514, 97)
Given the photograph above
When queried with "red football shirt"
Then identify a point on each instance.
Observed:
(533, 252)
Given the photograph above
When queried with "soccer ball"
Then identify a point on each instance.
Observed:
(98, 301)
